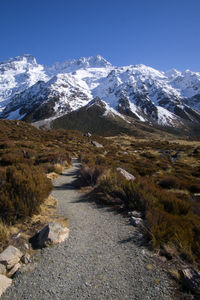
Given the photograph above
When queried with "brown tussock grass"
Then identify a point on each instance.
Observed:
(4, 233)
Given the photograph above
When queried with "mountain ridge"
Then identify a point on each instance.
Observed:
(33, 92)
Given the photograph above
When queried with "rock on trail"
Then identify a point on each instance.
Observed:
(103, 258)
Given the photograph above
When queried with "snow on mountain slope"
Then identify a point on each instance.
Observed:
(141, 92)
(61, 94)
(17, 74)
(72, 65)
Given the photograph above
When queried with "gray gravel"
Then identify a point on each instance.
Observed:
(103, 258)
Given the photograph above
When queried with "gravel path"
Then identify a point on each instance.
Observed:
(102, 259)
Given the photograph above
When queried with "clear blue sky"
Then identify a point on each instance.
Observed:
(159, 33)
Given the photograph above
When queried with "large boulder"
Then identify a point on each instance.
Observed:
(5, 282)
(94, 143)
(53, 233)
(10, 256)
(125, 174)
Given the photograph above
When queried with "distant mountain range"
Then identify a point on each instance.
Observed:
(36, 93)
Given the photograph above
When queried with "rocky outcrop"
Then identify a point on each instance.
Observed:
(52, 234)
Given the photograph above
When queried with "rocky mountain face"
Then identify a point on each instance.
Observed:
(33, 92)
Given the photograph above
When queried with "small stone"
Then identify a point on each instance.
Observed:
(163, 258)
(5, 282)
(136, 221)
(10, 256)
(26, 246)
(149, 267)
(26, 258)
(144, 252)
(88, 134)
(14, 270)
(94, 143)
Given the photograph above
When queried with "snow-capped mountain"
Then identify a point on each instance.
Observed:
(16, 75)
(33, 92)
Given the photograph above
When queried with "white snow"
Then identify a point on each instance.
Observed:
(134, 109)
(165, 117)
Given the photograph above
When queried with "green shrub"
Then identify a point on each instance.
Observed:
(22, 191)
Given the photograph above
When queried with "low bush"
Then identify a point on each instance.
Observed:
(183, 232)
(53, 158)
(131, 195)
(22, 191)
(57, 168)
(109, 183)
(169, 182)
(89, 174)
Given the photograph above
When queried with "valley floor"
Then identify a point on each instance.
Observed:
(103, 258)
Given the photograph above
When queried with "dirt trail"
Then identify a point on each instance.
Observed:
(103, 258)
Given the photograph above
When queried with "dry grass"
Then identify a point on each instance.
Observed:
(52, 175)
(58, 168)
(47, 211)
(185, 142)
(4, 233)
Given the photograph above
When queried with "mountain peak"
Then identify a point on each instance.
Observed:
(96, 102)
(172, 73)
(98, 61)
(72, 65)
(26, 58)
